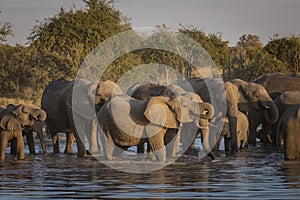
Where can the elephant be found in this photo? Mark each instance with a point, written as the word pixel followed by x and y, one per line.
pixel 275 84
pixel 244 97
pixel 126 121
pixel 211 90
pixel 27 131
pixel 75 115
pixel 283 101
pixel 11 125
pixel 288 131
pixel 143 91
pixel 242 131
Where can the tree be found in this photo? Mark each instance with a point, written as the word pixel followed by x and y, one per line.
pixel 68 37
pixel 215 46
pixel 286 49
pixel 5 30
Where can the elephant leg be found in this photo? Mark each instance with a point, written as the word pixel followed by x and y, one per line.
pixel 3 144
pixel 217 141
pixel 55 142
pixel 233 133
pixel 78 131
pixel 141 148
pixel 157 144
pixel 255 119
pixel 30 140
pixel 39 132
pixel 227 143
pixel 20 145
pixel 13 147
pixel 69 143
pixel 188 134
pixel 172 142
pixel 91 132
pixel 107 145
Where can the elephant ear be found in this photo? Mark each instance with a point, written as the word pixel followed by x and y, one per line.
pixel 9 123
pixel 158 112
pixel 80 103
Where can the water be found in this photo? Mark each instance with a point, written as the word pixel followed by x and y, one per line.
pixel 258 173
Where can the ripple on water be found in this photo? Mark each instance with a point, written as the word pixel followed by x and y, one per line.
pixel 251 174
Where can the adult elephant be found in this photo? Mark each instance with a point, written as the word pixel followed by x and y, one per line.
pixel 12 123
pixel 284 101
pixel 288 130
pixel 275 84
pixel 211 90
pixel 75 114
pixel 242 96
pixel 27 131
pixel 188 134
pixel 126 121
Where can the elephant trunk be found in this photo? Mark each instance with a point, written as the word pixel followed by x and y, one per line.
pixel 40 115
pixel 206 111
pixel 271 112
pixel 206 143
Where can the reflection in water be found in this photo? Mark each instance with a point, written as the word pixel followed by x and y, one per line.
pixel 256 173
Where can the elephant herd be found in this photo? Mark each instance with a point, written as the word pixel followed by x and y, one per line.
pixel 161 116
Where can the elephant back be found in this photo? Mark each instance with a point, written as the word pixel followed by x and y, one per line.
pixel 54 105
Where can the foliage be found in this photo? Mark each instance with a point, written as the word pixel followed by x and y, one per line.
pixel 58 45
pixel 248 60
pixel 287 50
pixel 5 30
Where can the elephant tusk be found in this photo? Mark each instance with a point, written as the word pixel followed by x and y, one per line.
pixel 212 125
pixel 202 127
pixel 205 112
pixel 267 107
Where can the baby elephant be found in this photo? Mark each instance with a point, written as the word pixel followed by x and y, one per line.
pixel 12 122
pixel 242 131
pixel 288 131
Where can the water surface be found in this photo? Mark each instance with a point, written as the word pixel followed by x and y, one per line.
pixel 259 173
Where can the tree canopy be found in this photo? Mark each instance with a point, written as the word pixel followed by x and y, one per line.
pixel 58 45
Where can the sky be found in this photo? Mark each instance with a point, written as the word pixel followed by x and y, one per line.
pixel 231 18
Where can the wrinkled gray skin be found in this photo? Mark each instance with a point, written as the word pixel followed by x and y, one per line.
pixel 275 84
pixel 288 131
pixel 284 101
pixel 57 102
pixel 124 117
pixel 242 131
pixel 211 90
pixel 243 96
pixel 188 131
pixel 12 123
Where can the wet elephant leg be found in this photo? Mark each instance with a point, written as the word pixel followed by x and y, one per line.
pixel 157 144
pixel 13 147
pixel 20 145
pixel 91 133
pixel 172 142
pixel 55 142
pixel 141 148
pixel 70 138
pixel 30 140
pixel 3 144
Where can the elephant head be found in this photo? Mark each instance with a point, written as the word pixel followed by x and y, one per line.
pixel 255 97
pixel 103 91
pixel 20 116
